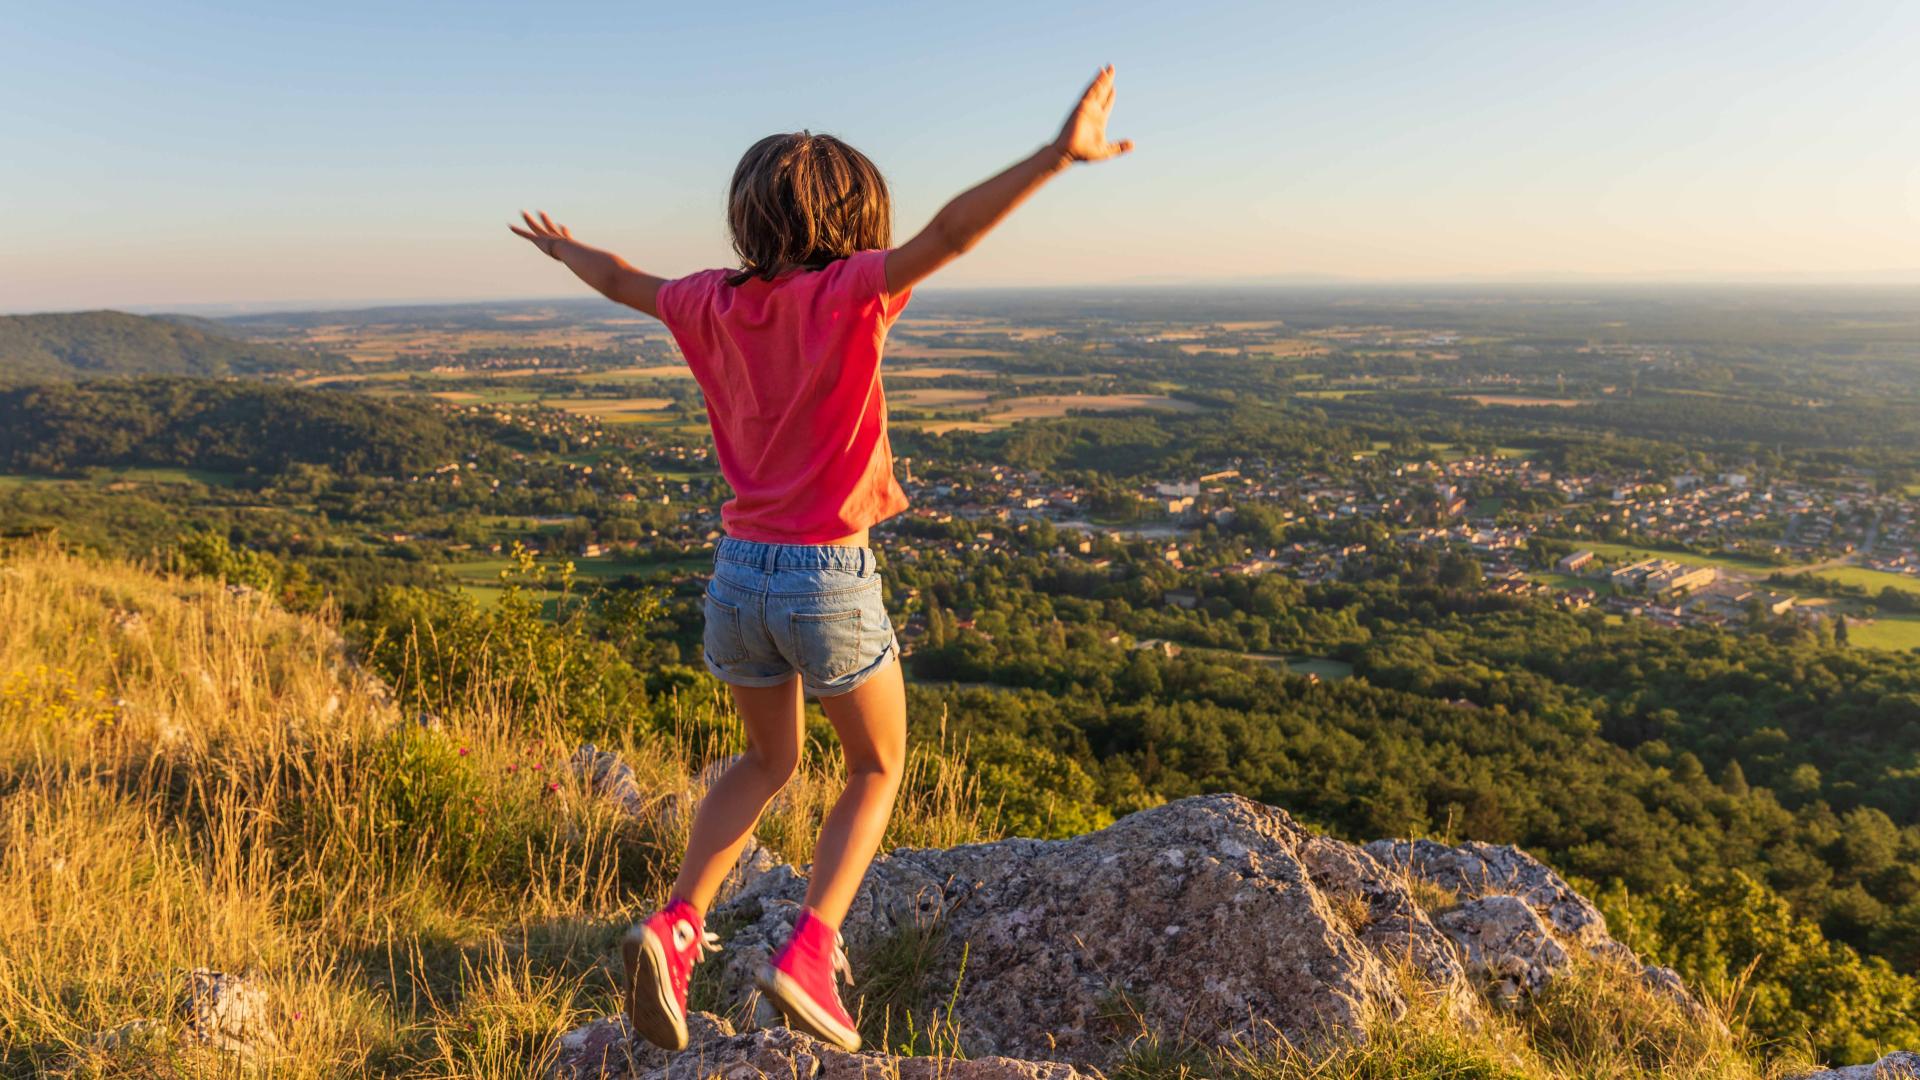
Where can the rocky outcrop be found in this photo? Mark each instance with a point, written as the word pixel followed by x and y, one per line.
pixel 602 1050
pixel 1519 919
pixel 1213 919
pixel 1472 871
pixel 1903 1065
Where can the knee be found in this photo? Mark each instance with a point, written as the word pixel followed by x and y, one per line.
pixel 887 765
pixel 773 767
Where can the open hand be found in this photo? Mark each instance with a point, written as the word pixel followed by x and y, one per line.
pixel 1084 136
pixel 544 234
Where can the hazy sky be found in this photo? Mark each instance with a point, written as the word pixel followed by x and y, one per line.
pixel 158 152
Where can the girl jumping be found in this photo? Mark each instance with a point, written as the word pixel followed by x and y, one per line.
pixel 786 349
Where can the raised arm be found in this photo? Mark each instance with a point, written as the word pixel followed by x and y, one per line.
pixel 973 213
pixel 609 274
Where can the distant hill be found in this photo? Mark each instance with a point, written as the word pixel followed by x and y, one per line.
pixel 91 344
pixel 60 427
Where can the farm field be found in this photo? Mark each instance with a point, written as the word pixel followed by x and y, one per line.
pixel 942 399
pixel 168 475
pixel 1893 633
pixel 1871 580
pixel 1563 582
pixel 1326 669
pixel 646 371
pixel 936 372
pixel 1520 401
pixel 1050 405
pixel 131 474
pixel 1035 407
pixel 1292 349
pixel 1735 563
pixel 613 410
pixel 907 350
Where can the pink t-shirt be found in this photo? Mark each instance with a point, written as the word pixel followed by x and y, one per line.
pixel 791 372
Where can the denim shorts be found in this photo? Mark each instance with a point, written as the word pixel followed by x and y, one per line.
pixel 776 609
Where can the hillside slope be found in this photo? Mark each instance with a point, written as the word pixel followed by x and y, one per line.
pixel 220 836
pixel 228 425
pixel 90 344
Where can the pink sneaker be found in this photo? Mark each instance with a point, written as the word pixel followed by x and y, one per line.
pixel 660 954
pixel 800 982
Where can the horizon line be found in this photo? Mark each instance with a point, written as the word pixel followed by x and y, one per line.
pixel 1867 280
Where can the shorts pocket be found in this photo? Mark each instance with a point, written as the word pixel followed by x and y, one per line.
pixel 827 643
pixel 722 638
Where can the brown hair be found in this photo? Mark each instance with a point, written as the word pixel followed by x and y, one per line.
pixel 804 200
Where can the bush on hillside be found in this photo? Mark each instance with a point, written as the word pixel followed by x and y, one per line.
pixel 1733 938
pixel 444 651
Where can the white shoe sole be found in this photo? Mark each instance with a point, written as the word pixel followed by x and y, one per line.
pixel 651 1008
pixel 801 1012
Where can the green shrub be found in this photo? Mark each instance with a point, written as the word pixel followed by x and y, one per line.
pixel 1035 791
pixel 1733 938
pixel 524 656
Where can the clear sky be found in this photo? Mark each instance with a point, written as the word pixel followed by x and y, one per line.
pixel 175 153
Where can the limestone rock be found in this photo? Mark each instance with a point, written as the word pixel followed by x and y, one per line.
pixel 602 1050
pixel 1476 870
pixel 1213 919
pixel 1506 944
pixel 606 1050
pixel 1901 1065
pixel 225 1011
pixel 755 861
pixel 1517 953
pixel 603 773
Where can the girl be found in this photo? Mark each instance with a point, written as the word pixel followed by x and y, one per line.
pixel 786 349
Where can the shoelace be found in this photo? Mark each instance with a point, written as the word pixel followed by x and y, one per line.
pixel 708 942
pixel 841 965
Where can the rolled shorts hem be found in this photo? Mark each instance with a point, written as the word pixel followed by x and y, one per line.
pixel 834 689
pixel 732 679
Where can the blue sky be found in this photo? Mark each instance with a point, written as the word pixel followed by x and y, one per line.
pixel 161 154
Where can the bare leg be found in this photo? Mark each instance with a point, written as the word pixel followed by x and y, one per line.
pixel 871 720
pixel 772 716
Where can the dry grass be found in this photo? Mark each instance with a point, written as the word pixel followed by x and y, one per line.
pixel 191 778
pixel 1598 1023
